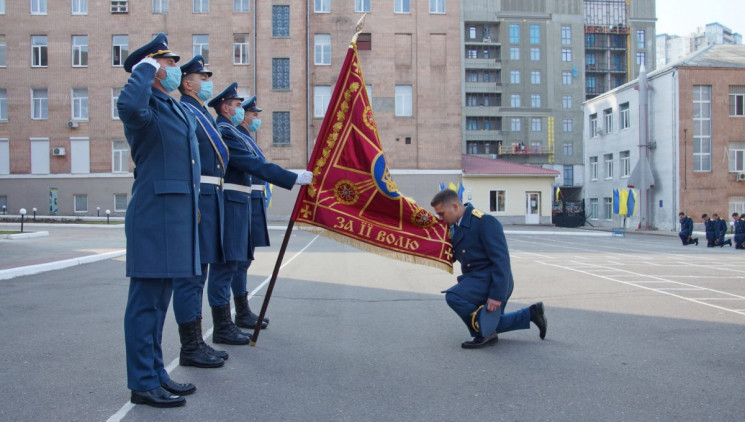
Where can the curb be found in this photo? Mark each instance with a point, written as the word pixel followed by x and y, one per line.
pixel 57 265
pixel 29 235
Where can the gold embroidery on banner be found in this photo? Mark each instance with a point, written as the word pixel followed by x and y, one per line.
pixel 346 192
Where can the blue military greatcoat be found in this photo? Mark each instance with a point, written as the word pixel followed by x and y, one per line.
pixel 740 233
pixel 161 220
pixel 259 231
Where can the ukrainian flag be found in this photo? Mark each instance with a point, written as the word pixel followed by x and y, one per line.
pixel 623 199
pixel 631 203
pixel 615 201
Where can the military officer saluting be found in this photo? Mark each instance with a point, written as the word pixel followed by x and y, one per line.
pixel 161 220
pixel 196 88
pixel 242 164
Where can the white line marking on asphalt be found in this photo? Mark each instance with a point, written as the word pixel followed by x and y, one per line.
pixel 121 413
pixel 57 265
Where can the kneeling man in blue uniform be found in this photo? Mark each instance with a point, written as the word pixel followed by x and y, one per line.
pixel 482 292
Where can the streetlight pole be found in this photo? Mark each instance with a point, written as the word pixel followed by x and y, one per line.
pixel 108 212
pixel 23 215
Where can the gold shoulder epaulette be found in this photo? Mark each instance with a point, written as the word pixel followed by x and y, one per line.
pixel 477 213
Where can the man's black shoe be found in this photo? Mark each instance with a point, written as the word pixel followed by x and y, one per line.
pixel 179 389
pixel 538 318
pixel 157 397
pixel 696 240
pixel 479 341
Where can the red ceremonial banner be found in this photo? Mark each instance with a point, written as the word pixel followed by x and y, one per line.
pixel 352 195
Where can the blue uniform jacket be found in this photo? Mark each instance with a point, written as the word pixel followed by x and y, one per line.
pixel 686 226
pixel 211 202
pixel 481 248
pixel 720 228
pixel 242 164
pixel 740 226
pixel 259 231
pixel 161 220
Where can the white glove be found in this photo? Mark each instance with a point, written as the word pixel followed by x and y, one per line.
pixel 304 178
pixel 149 60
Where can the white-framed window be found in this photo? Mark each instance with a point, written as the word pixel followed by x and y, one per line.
pixel 640 39
pixel 436 6
pixel 515 100
pixel 80 202
pixel 160 6
pixel 119 6
pixel 38 7
pixel 566 54
pixel 201 6
pixel 120 202
pixel 593 211
pixel 566 78
pixel 39 104
pixel 114 98
pixel 497 201
pixel 593 168
pixel 79 7
pixel 514 53
pixel 567 125
pixel 241 6
pixel 514 33
pixel 3 51
pixel 402 6
pixel 119 156
pixel 79 51
pixel 608 118
pixel 568 174
pixel 472 33
pixel 80 156
pixel 240 49
pixel 701 128
pixel 625 159
pixel 39 50
pixel 737 100
pixel 322 6
pixel 535 100
pixel 201 45
pixel 607 208
pixel 536 124
pixel 594 125
pixel 535 54
pixel 736 154
pixel 3 105
pixel 535 34
pixel 40 155
pixel 566 101
pixel 514 76
pixel 4 156
pixel 2 7
pixel 608 159
pixel 80 103
pixel 625 116
pixel 322 49
pixel 404 101
pixel 566 35
pixel 362 6
pixel 119 49
pixel 640 57
pixel 515 124
pixel 321 98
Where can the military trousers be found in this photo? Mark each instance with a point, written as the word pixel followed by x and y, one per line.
pixel 187 296
pixel 219 282
pixel 239 284
pixel 516 320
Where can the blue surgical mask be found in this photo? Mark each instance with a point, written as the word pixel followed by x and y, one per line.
pixel 255 125
pixel 237 118
pixel 172 79
pixel 205 90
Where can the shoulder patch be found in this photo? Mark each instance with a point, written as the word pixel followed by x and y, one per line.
pixel 476 213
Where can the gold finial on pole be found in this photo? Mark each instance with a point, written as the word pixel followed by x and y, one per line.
pixel 358 28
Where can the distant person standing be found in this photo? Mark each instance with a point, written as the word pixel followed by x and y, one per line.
pixel 686 230
pixel 709 227
pixel 720 230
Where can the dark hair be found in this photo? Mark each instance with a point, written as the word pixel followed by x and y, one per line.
pixel 445 196
pixel 705 215
pixel 681 213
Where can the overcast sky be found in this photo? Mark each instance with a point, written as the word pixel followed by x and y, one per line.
pixel 681 17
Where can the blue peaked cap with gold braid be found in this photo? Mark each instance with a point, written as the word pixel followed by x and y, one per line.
pixel 157 48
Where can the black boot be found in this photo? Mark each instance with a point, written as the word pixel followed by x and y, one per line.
pixel 243 316
pixel 225 331
pixel 538 318
pixel 206 347
pixel 191 353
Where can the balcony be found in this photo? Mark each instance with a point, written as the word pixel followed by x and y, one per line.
pixel 517 150
pixel 483 64
pixel 484 135
pixel 477 111
pixel 484 87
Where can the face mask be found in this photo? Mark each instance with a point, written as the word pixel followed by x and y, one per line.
pixel 237 118
pixel 205 90
pixel 255 125
pixel 172 79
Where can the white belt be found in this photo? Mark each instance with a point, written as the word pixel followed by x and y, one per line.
pixel 257 188
pixel 239 188
pixel 212 180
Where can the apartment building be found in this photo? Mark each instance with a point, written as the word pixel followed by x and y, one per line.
pixel 671 48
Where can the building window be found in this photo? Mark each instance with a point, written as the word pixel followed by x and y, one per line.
pixel 535 34
pixel 403 101
pixel 514 53
pixel 591 84
pixel 38 7
pixel 160 6
pixel 281 73
pixel 80 202
pixel 737 100
pixel 535 100
pixel 568 175
pixel 701 128
pixel 201 6
pixel 79 7
pixel 566 101
pixel 625 158
pixel 514 33
pixel 114 98
pixel 566 35
pixel 119 157
pixel 280 21
pixel 625 117
pixel 4 165
pixel 737 157
pixel 80 103
pixel 536 124
pixel 593 168
pixel 362 6
pixel 608 208
pixel 364 41
pixel 201 45
pixel 119 6
pixel 120 202
pixel 590 60
pixel 2 7
pixel 568 149
pixel 566 54
pixel 515 124
pixel 39 155
pixel 566 78
pixel 496 201
pixel 281 128
pixel 241 6
pixel 80 155
pixel 119 49
pixel 608 118
pixel 535 54
pixel 514 76
pixel 515 100
pixel 640 58
pixel 436 6
pixel 3 51
pixel 322 49
pixel 608 158
pixel 39 49
pixel 640 35
pixel 321 98
pixel 39 104
pixel 240 49
pixel 401 6
pixel 322 6
pixel 567 125
pixel 594 125
pixel 3 105
pixel 79 51
pixel 593 214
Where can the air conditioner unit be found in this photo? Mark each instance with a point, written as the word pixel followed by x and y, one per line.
pixel 741 177
pixel 72 124
pixel 58 151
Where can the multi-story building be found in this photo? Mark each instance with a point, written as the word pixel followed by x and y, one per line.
pixel 673 47
pixel 696 143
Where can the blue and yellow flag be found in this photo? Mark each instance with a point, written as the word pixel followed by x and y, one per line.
pixel 631 203
pixel 623 198
pixel 615 201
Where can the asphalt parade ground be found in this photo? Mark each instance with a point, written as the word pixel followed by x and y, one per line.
pixel 639 328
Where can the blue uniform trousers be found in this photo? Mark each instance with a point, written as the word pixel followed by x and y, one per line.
pixel 684 237
pixel 517 320
pixel 144 317
pixel 239 283
pixel 740 241
pixel 187 296
pixel 220 280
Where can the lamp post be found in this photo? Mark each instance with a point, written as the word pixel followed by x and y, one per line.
pixel 5 210
pixel 98 211
pixel 34 210
pixel 23 215
pixel 108 212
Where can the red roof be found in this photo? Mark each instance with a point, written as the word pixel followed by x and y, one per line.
pixel 479 165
